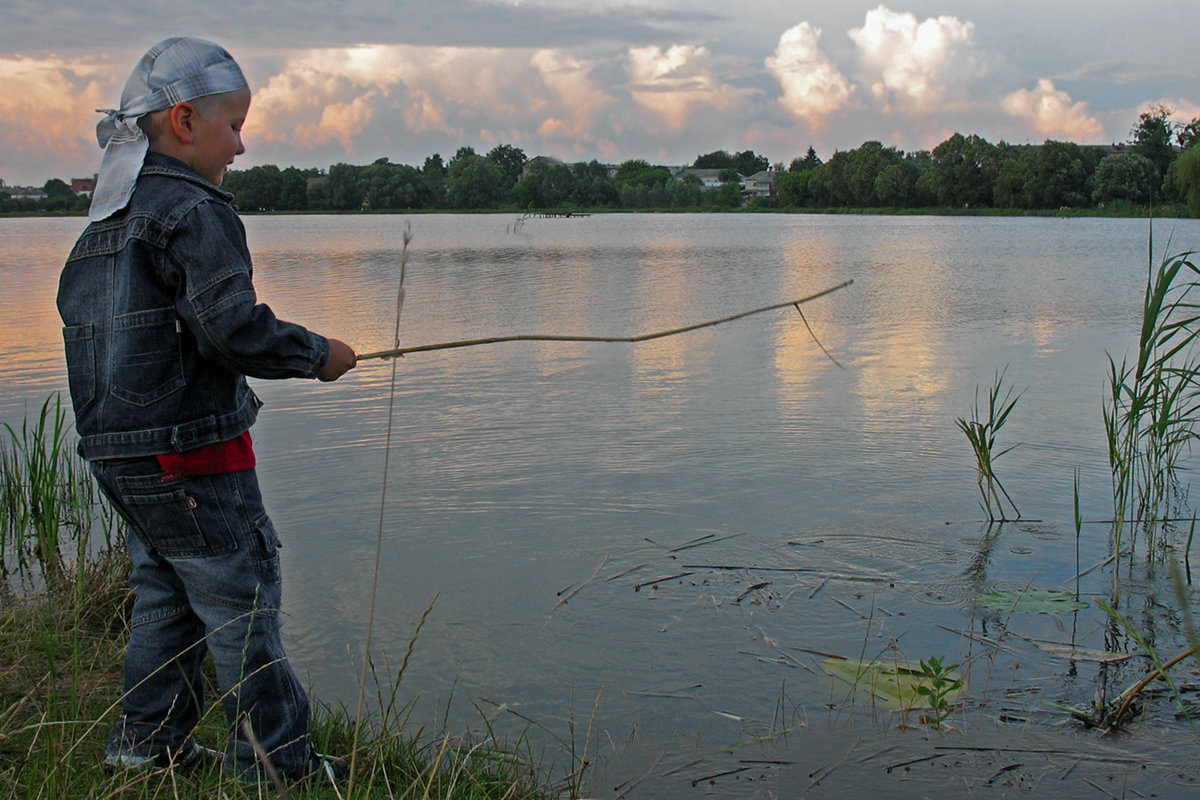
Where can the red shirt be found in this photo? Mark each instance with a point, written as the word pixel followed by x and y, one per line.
pixel 214 459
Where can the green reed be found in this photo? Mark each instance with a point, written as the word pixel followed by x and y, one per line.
pixel 1151 413
pixel 48 501
pixel 981 431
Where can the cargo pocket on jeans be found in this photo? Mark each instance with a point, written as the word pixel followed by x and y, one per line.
pixel 181 517
pixel 268 545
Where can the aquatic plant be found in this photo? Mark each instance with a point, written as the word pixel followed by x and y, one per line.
pixel 981 431
pixel 48 500
pixel 1151 413
pixel 940 686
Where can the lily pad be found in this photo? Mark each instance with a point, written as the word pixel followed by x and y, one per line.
pixel 1032 601
pixel 895 684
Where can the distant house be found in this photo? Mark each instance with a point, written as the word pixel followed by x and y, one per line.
pixel 759 185
pixel 545 161
pixel 709 178
pixel 83 185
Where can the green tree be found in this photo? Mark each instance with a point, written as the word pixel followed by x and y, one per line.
pixel 810 161
pixel 473 182
pixel 718 159
pixel 434 172
pixel 1188 135
pixel 1153 136
pixel 963 172
pixel 510 160
pixel 1131 178
pixel 638 172
pixel 59 196
pixel 748 163
pixel 1186 178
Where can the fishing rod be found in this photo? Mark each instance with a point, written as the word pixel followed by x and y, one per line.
pixel 396 352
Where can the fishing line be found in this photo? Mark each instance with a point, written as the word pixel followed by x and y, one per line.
pixel 387 450
pixel 645 337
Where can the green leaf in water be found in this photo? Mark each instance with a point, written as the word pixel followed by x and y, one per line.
pixel 1032 601
pixel 895 684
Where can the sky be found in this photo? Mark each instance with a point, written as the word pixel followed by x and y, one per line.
pixel 662 80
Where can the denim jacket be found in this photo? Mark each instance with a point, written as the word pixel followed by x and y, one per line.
pixel 162 324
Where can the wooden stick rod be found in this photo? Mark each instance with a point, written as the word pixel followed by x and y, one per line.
pixel 549 337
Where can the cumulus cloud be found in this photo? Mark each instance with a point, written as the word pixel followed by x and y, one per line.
pixel 813 88
pixel 1052 114
pixel 914 66
pixel 48 107
pixel 578 97
pixel 674 83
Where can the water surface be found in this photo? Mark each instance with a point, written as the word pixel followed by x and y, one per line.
pixel 650 540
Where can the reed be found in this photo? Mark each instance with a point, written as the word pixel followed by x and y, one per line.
pixel 1151 411
pixel 981 431
pixel 49 508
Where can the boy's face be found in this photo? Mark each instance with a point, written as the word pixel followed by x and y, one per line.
pixel 218 135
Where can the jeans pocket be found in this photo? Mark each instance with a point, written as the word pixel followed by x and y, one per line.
pixel 268 550
pixel 181 516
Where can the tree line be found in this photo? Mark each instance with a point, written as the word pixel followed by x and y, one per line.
pixel 1160 164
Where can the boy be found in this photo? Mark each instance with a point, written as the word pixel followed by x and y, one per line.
pixel 161 326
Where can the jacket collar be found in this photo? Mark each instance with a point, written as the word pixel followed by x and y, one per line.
pixel 171 167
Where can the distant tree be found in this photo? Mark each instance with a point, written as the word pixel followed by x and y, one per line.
pixel 473 182
pixel 638 172
pixel 1185 177
pixel 1131 178
pixel 510 160
pixel 810 161
pixel 435 179
pixel 1016 165
pixel 963 172
pixel 1188 136
pixel 1153 137
pixel 718 159
pixel 59 196
pixel 748 163
pixel 293 194
pixel 727 195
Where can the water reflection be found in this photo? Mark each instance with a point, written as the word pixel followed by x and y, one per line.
pixel 520 470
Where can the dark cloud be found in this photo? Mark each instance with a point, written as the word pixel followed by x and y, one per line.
pixel 38 27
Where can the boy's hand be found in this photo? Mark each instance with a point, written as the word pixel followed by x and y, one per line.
pixel 341 360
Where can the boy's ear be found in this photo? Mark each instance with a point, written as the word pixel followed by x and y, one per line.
pixel 181 120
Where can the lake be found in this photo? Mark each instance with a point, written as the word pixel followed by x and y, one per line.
pixel 646 550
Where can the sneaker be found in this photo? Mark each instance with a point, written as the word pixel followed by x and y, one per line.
pixel 191 755
pixel 327 769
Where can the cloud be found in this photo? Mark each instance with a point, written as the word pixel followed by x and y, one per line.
pixel 48 110
pixel 813 88
pixel 914 66
pixel 579 99
pixel 676 82
pixel 1052 114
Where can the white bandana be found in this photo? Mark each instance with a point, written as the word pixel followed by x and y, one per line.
pixel 174 71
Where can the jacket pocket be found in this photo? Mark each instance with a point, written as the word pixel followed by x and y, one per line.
pixel 147 363
pixel 80 345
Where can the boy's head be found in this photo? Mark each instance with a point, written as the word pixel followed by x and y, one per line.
pixel 177 93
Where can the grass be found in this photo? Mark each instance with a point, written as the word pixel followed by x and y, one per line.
pixel 1151 414
pixel 981 431
pixel 63 627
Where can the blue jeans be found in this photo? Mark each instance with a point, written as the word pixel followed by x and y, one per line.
pixel 206 576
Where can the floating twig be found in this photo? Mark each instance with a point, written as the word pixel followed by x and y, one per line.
pixel 645 337
pixel 753 588
pixel 657 581
pixel 563 599
pixel 703 541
